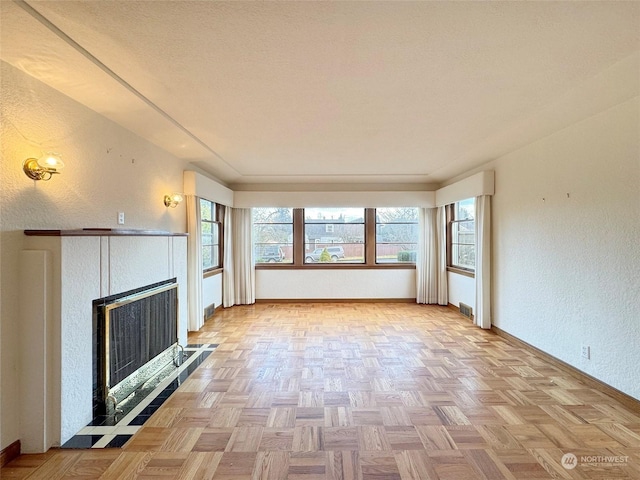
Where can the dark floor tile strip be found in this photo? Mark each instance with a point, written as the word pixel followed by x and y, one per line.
pixel 88 441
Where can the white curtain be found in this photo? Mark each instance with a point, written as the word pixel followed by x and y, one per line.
pixel 441 242
pixel 431 264
pixel 238 276
pixel 194 265
pixel 483 261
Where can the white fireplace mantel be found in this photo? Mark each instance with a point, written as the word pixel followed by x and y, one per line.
pixel 61 273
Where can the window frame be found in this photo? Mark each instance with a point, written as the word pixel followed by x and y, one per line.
pixel 376 243
pixel 369 249
pixel 217 212
pixel 332 223
pixel 451 220
pixel 293 232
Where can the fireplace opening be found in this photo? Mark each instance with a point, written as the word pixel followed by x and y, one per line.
pixel 135 335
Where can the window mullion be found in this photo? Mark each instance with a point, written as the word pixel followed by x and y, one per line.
pixel 298 236
pixel 370 236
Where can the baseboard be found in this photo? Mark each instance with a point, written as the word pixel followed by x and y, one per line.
pixel 10 453
pixel 625 399
pixel 453 307
pixel 336 300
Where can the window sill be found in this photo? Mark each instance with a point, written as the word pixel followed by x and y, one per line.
pixel 338 266
pixel 462 271
pixel 211 272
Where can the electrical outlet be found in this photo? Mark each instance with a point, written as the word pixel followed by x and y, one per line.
pixel 586 352
pixel 120 218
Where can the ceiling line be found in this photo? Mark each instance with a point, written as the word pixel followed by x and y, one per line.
pixel 71 42
pixel 359 175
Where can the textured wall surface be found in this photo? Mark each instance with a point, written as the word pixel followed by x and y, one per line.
pixel 566 226
pixel 151 264
pixel 79 279
pixel 108 170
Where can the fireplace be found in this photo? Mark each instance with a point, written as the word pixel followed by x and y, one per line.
pixel 135 334
pixel 62 273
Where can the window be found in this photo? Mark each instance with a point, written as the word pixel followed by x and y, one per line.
pixel 462 236
pixel 273 235
pixel 396 235
pixel 334 235
pixel 211 256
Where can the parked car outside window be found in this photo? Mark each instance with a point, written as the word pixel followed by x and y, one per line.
pixel 334 254
pixel 269 254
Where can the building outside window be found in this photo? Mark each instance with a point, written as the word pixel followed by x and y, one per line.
pixel 326 237
pixel 334 235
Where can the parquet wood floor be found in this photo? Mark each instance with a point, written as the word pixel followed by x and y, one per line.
pixel 364 391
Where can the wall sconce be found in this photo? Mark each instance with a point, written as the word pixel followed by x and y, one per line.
pixel 43 168
pixel 173 200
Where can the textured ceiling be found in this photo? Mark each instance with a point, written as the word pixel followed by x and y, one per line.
pixel 332 92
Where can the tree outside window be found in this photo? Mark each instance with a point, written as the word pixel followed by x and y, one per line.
pixel 210 235
pixel 396 235
pixel 273 235
pixel 463 235
pixel 334 235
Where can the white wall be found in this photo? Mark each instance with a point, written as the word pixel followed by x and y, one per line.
pixel 108 169
pixel 461 289
pixel 212 291
pixel 339 284
pixel 566 230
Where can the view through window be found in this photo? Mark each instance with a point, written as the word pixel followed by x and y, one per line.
pixel 210 235
pixel 396 235
pixel 334 235
pixel 462 243
pixel 273 235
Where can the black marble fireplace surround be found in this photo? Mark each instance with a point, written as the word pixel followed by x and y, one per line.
pixel 129 330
